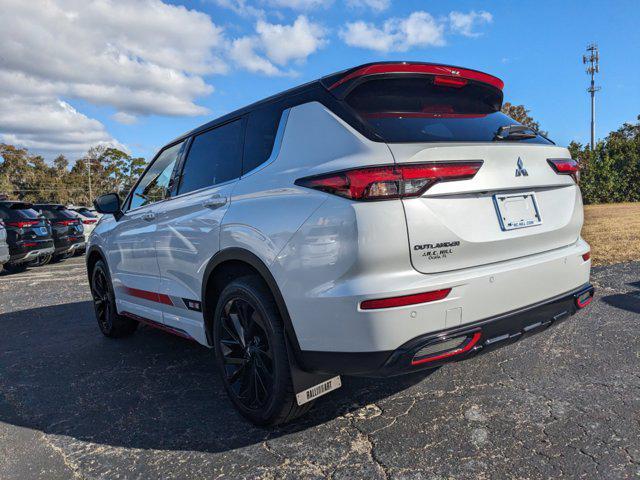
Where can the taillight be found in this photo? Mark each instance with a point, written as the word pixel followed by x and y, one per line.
pixel 454 82
pixel 23 224
pixel 390 181
pixel 66 222
pixel 405 300
pixel 565 166
pixel 89 222
pixel 586 256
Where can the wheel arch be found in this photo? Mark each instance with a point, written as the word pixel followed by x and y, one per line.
pixel 233 263
pixel 92 256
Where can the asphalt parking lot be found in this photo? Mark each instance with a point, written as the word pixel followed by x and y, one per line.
pixel 565 403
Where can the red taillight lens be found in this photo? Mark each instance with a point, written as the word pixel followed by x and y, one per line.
pixel 454 82
pixel 565 166
pixel 67 222
pixel 89 222
pixel 405 300
pixel 586 256
pixel 390 181
pixel 23 224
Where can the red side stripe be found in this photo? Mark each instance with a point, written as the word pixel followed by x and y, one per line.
pixel 151 296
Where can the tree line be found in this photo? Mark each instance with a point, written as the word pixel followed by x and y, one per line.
pixel 611 173
pixel 25 176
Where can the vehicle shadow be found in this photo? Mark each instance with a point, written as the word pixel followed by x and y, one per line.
pixel 624 301
pixel 59 375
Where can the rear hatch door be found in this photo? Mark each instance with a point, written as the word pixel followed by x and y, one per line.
pixel 473 222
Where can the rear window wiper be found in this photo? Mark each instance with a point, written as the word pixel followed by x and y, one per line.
pixel 514 132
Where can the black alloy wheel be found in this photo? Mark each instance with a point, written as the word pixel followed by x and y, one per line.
pixel 246 354
pixel 104 303
pixel 251 353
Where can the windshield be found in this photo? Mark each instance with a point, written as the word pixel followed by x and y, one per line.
pixel 403 110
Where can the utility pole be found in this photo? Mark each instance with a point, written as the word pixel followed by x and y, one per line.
pixel 89 168
pixel 591 60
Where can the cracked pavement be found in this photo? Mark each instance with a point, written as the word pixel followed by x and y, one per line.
pixel 563 403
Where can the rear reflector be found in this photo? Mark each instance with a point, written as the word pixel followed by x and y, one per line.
pixel 586 256
pixel 30 244
pixel 390 181
pixel 565 166
pixel 405 300
pixel 446 349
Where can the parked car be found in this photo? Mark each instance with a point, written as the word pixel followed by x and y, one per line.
pixel 28 234
pixel 67 229
pixel 89 221
pixel 4 247
pixel 379 221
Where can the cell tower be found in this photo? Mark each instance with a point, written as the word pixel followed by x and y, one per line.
pixel 592 60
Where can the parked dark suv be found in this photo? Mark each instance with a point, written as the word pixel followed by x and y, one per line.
pixel 28 234
pixel 68 232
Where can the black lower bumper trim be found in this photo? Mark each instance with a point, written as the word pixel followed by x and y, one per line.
pixel 496 331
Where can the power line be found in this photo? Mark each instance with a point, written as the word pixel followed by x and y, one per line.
pixel 592 60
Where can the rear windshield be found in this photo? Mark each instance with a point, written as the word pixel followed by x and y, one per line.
pixel 403 110
pixel 57 213
pixel 86 212
pixel 14 212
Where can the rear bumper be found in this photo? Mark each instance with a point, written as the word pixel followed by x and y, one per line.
pixel 4 254
pixel 68 245
pixel 491 333
pixel 21 253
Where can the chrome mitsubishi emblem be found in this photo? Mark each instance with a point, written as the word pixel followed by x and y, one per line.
pixel 520 170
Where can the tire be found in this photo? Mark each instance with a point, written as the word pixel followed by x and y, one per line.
pixel 111 324
pixel 57 258
pixel 15 267
pixel 251 354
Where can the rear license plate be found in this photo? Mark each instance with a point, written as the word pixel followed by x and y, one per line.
pixel 518 210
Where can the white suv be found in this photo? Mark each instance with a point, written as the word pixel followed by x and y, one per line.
pixel 378 221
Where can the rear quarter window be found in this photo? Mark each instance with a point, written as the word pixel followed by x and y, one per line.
pixel 260 136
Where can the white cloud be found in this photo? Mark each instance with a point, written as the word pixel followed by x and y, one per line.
pixel 49 126
pixel 419 29
pixel 274 45
pixel 241 7
pixel 243 52
pixel 465 23
pixel 284 43
pixel 125 118
pixel 375 5
pixel 300 4
pixel 140 56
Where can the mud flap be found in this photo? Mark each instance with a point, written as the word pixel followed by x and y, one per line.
pixel 309 386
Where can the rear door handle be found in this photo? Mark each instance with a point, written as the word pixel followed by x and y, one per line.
pixel 149 216
pixel 215 201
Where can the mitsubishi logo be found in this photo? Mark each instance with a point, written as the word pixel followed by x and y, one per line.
pixel 520 170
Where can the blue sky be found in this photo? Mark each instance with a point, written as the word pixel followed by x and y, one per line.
pixel 176 68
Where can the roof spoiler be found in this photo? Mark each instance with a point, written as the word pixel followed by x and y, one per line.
pixel 341 83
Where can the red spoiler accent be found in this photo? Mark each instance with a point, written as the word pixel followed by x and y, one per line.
pixel 442 70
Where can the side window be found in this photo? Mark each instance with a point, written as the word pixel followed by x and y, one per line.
pixel 262 126
pixel 154 186
pixel 214 157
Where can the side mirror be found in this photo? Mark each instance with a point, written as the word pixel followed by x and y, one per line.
pixel 108 203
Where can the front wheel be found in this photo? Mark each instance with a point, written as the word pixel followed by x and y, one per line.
pixel 104 303
pixel 251 353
